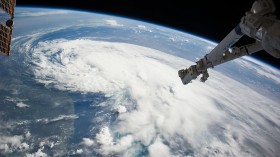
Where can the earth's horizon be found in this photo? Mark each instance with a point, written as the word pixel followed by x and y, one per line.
pixel 79 83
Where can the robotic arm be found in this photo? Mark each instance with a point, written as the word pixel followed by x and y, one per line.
pixel 260 24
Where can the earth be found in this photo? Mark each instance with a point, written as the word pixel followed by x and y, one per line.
pixel 87 84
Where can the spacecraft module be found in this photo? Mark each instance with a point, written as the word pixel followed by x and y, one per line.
pixel 260 23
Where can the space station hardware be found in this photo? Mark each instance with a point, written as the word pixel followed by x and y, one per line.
pixel 260 23
pixel 7 9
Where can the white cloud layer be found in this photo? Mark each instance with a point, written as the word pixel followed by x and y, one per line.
pixel 113 23
pixel 165 108
pixel 42 13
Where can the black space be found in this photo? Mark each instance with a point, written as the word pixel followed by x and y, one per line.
pixel 212 19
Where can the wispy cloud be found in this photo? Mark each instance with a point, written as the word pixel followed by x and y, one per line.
pixel 113 23
pixel 20 103
pixel 42 13
pixel 260 68
pixel 59 118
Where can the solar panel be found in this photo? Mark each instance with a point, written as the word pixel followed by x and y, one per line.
pixel 8 6
pixel 5 39
pixel 6 28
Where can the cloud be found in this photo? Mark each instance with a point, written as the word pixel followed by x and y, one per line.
pixel 19 102
pixel 260 68
pixel 141 29
pixel 27 134
pixel 145 28
pixel 64 117
pixel 120 109
pixel 24 146
pixel 113 23
pixel 108 146
pixel 158 149
pixel 87 142
pixel 59 118
pixel 42 13
pixel 104 137
pixel 79 151
pixel 10 143
pixel 38 153
pixel 11 99
pixel 13 143
pixel 12 140
pixel 22 105
pixel 4 148
pixel 48 143
pixel 45 143
pixel 211 116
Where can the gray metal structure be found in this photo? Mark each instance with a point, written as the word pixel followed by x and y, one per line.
pixel 260 23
